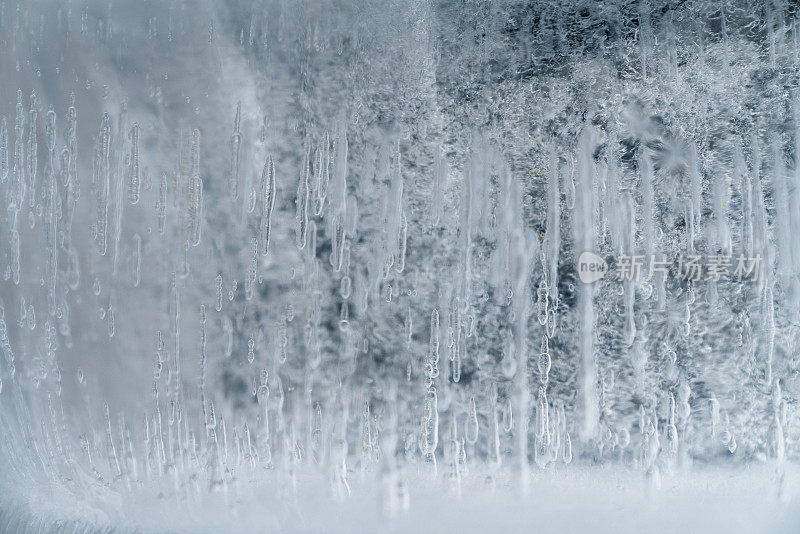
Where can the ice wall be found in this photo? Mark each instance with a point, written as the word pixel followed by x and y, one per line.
pixel 288 250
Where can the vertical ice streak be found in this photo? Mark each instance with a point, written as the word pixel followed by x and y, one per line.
pixel 218 288
pixel 51 218
pixel 695 184
pixel 303 192
pixel 323 164
pixel 133 171
pixel 3 151
pixel 441 173
pixel 627 244
pixel 402 244
pixel 721 195
pixel 235 161
pixel 761 243
pixel 72 141
pixel 782 222
pixel 203 363
pixel 745 186
pixel 338 184
pixel 101 181
pixel 137 260
pixel 584 241
pixel 268 194
pixel 17 187
pixel 645 36
pixel 553 233
pixel 118 182
pixel 32 153
pixel 523 251
pixel 648 207
pixel 195 210
pixel 161 204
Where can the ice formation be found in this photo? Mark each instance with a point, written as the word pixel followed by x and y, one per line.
pixel 305 265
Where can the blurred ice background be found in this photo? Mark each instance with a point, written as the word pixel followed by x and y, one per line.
pixel 310 265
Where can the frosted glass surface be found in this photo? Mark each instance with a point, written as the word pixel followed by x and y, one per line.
pixel 424 265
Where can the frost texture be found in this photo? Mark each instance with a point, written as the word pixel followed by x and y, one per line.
pixel 268 264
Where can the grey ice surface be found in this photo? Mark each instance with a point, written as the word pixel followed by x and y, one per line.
pixel 286 265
